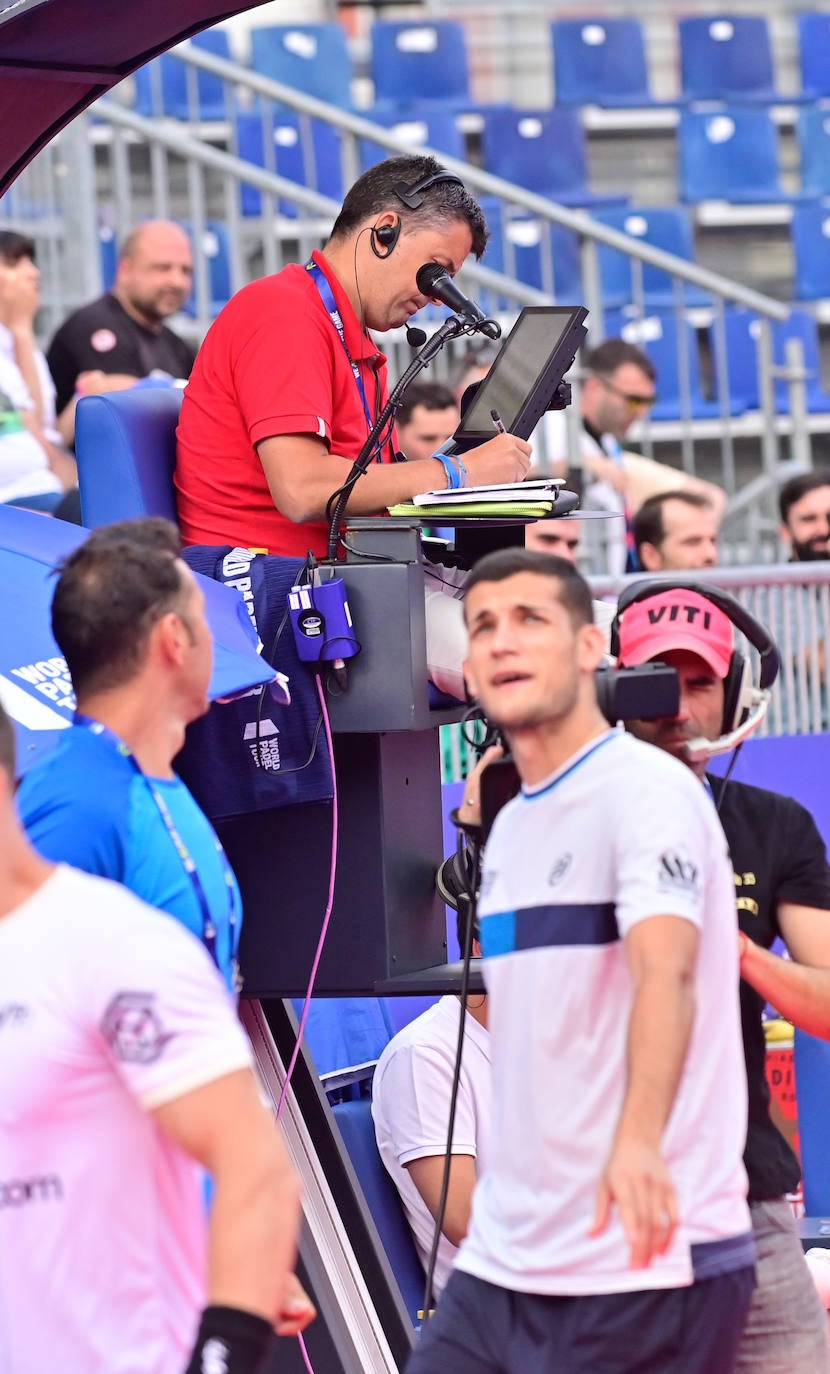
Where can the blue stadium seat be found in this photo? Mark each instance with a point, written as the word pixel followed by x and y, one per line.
pixel 300 148
pixel 162 87
pixel 215 248
pixel 125 444
pixel 726 57
pixel 354 1119
pixel 107 255
pixel 424 129
pixel 675 352
pixel 543 151
pixel 813 129
pixel 665 227
pixel 730 155
pixel 418 61
pixel 345 1032
pixel 741 337
pixel 313 58
pixel 811 242
pixel 600 61
pixel 814 53
pixel 812 1077
pixel 531 249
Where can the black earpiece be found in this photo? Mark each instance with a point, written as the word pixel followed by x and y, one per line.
pixel 384 238
pixel 737 685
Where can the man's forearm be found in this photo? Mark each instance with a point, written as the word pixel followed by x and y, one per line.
pixel 658 1038
pixel 25 356
pixel 799 993
pixel 254 1224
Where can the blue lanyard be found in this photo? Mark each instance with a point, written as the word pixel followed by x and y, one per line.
pixel 323 285
pixel 208 924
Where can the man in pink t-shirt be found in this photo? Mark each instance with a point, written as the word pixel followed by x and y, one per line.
pixel 124 1074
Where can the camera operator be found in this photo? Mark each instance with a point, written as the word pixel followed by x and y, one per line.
pixel 614 1184
pixel 782 883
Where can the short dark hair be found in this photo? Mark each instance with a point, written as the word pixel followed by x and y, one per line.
pixel 14 246
pixel 796 487
pixel 648 526
pixel 573 591
pixel 430 395
pixel 8 761
pixel 110 593
pixel 612 353
pixel 376 191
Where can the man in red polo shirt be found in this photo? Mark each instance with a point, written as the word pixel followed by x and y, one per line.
pixel 289 381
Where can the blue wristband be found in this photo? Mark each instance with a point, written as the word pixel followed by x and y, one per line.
pixel 451 468
pixel 463 479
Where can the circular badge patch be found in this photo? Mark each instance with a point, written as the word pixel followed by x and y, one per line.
pixel 103 341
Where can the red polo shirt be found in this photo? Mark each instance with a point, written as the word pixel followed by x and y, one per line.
pixel 272 363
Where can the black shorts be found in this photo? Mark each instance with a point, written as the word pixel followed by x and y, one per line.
pixel 482 1329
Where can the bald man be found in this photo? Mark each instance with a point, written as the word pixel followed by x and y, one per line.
pixel 111 343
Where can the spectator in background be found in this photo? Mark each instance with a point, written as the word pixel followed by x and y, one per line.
pixel 428 417
pixel 558 537
pixel 35 471
pixel 676 531
pixel 121 337
pixel 804 504
pixel 124 1074
pixel 621 387
pixel 472 367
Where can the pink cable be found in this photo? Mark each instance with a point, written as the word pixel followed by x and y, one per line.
pixel 327 917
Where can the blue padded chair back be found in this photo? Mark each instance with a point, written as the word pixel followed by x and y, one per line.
pixel 667 227
pixel 313 58
pixel 163 86
pixel 814 146
pixel 295 146
pixel 814 53
pixel 725 57
pixel 600 62
pixel 357 1128
pixel 419 60
pixel 672 346
pixel 730 154
pixel 812 1077
pixel 542 150
pixel 422 129
pixel 125 444
pixel 811 241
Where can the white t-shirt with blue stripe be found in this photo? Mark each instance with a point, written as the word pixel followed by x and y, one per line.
pixel 621 833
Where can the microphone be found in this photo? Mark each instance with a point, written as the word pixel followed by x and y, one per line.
pixel 702 748
pixel 415 336
pixel 434 281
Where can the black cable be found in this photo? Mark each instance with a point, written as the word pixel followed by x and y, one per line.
pixel 467 951
pixel 727 775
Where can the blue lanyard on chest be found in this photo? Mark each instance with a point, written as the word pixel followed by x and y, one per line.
pixel 208 924
pixel 323 285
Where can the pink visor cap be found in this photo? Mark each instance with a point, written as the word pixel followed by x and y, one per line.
pixel 676 619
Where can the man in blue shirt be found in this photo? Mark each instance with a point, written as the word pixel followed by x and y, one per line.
pixel 128 616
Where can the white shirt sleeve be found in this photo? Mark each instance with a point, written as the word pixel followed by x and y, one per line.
pixel 157 1001
pixel 664 847
pixel 412 1104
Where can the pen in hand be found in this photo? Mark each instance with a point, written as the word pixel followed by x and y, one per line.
pixel 498 421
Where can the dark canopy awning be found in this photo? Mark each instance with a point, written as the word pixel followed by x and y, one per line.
pixel 57 56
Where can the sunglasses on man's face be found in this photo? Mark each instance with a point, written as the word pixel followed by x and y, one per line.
pixel 633 402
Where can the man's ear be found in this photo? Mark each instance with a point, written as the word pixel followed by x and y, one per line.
pixel 784 532
pixel 649 556
pixel 591 648
pixel 170 635
pixel 469 679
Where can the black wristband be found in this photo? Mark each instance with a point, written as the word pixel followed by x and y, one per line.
pixel 242 1339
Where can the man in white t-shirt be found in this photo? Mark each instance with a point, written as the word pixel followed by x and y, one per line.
pixel 610 1229
pixel 33 463
pixel 410 1106
pixel 124 1074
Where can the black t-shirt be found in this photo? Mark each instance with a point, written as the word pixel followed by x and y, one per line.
pixel 777 856
pixel 103 336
